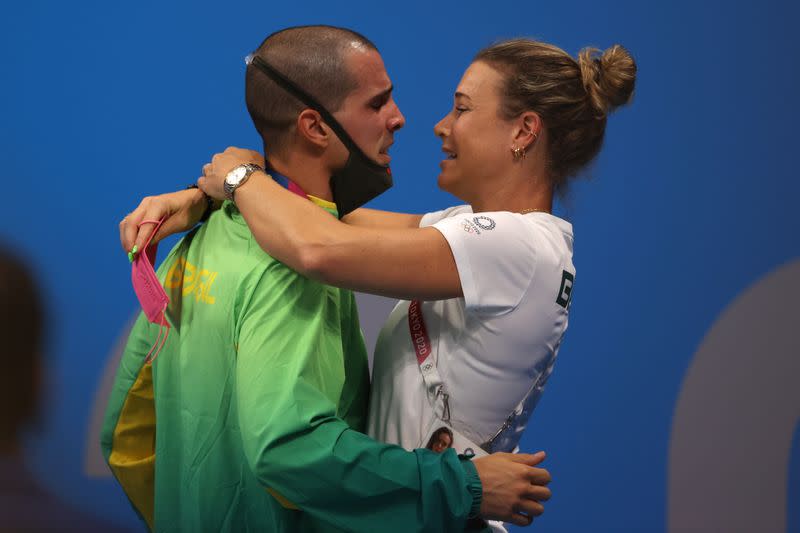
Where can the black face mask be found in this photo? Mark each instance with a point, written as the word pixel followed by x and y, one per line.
pixel 361 179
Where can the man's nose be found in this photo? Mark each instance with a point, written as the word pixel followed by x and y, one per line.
pixel 397 120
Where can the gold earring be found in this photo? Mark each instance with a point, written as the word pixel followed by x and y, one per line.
pixel 518 152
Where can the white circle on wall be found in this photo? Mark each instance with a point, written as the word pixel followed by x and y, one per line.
pixel 736 415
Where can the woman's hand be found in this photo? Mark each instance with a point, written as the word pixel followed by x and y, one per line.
pixel 181 211
pixel 214 173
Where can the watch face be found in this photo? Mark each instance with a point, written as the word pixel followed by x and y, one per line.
pixel 236 175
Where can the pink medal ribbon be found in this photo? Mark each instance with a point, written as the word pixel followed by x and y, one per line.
pixel 422 347
pixel 419 333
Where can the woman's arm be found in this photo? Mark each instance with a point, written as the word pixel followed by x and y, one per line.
pixel 401 263
pixel 373 218
pixel 183 209
pixel 360 217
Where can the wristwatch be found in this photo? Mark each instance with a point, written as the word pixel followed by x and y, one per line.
pixel 237 177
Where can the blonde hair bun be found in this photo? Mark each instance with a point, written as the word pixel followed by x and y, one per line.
pixel 608 78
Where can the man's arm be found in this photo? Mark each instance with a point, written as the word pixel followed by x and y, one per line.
pixel 289 376
pixel 181 211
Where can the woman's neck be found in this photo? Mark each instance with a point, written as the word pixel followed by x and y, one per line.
pixel 516 195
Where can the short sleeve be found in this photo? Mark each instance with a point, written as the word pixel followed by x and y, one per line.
pixel 495 254
pixel 429 219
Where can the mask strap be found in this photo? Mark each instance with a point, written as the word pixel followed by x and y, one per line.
pixel 157 224
pixel 292 88
pixel 163 326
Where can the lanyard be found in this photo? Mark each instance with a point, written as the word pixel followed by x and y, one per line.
pixel 507 437
pixel 427 365
pixel 287 183
pixel 291 186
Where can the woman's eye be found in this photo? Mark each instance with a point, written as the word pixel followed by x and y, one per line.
pixel 460 110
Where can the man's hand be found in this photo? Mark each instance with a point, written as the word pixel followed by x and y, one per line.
pixel 513 485
pixel 221 164
pixel 181 210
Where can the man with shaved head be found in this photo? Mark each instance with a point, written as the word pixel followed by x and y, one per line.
pixel 251 417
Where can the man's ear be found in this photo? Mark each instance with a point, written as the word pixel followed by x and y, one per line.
pixel 311 127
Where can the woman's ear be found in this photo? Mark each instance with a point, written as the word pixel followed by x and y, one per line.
pixel 528 128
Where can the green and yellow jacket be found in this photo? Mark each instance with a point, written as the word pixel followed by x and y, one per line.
pixel 250 418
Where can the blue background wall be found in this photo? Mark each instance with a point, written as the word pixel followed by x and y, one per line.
pixel 692 200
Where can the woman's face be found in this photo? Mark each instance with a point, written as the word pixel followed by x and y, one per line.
pixel 442 442
pixel 477 142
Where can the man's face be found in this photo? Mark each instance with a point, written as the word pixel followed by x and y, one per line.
pixel 369 114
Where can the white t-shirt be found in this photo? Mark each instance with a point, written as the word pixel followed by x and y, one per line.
pixel 490 346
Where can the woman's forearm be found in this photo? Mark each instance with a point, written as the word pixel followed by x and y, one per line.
pixel 285 225
pixel 403 263
pixel 374 218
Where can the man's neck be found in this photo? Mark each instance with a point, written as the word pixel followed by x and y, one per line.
pixel 307 173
